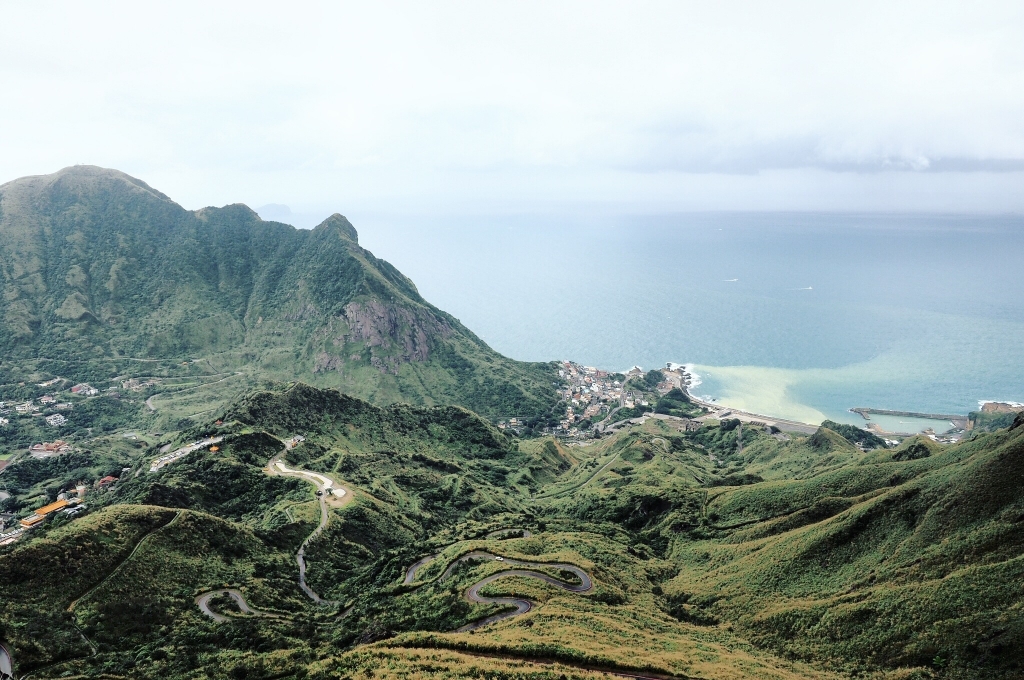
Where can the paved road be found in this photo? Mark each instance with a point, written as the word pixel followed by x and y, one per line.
pixel 149 402
pixel 562 492
pixel 325 484
pixel 719 411
pixel 328 489
pixel 203 602
pixel 601 425
pixel 521 605
pixel 169 458
pixel 6 662
pixel 504 533
pixel 410 573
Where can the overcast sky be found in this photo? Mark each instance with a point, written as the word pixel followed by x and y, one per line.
pixel 438 107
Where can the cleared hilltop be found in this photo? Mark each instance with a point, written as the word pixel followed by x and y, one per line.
pixel 97 268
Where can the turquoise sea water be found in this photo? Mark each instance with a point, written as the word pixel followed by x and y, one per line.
pixel 792 315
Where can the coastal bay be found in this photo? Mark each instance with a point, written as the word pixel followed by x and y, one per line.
pixel 794 315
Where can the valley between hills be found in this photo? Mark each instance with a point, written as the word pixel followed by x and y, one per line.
pixel 274 459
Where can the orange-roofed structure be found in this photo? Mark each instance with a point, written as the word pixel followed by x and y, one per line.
pixel 41 513
pixel 52 507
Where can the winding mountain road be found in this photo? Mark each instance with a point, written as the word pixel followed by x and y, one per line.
pixel 203 602
pixel 152 407
pixel 509 533
pixel 580 485
pixel 521 605
pixel 410 573
pixel 6 662
pixel 329 493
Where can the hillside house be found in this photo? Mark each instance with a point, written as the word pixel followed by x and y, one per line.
pixel 106 482
pixel 85 390
pixel 59 446
pixel 56 420
pixel 24 408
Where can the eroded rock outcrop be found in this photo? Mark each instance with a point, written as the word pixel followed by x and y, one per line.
pixel 394 334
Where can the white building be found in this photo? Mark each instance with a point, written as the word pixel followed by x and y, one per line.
pixel 56 420
pixel 85 390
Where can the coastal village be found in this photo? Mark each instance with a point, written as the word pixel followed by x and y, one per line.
pixel 52 405
pixel 592 395
pixel 51 411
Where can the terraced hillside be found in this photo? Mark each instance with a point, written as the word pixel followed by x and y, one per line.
pixel 653 552
pixel 101 276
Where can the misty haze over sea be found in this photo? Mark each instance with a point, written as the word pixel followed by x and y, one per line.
pixel 798 315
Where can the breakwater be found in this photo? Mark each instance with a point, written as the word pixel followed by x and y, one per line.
pixel 958 420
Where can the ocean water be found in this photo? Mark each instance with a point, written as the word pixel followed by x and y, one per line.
pixel 792 315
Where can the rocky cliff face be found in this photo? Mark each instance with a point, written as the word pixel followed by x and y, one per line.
pixel 393 335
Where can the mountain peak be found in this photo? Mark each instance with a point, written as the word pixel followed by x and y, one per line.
pixel 95 177
pixel 340 223
pixel 79 180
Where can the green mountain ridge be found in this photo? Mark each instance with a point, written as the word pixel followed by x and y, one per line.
pixel 288 366
pixel 787 558
pixel 97 267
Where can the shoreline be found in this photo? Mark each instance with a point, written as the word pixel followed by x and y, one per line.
pixel 692 379
pixel 959 422
pixel 719 412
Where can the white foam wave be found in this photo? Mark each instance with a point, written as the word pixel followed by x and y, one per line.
pixel 695 379
pixel 1012 404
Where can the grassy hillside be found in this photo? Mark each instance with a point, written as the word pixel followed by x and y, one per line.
pixel 726 552
pixel 103 276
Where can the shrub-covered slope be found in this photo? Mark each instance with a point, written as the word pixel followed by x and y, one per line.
pixel 914 562
pixel 725 552
pixel 96 265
